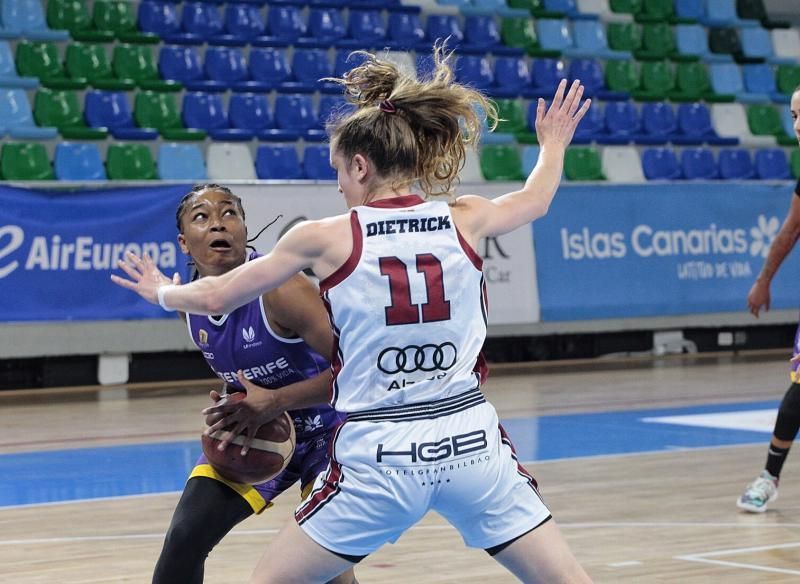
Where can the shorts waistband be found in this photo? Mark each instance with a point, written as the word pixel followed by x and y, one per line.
pixel 422 411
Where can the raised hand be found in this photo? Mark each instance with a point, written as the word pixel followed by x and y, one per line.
pixel 557 125
pixel 242 417
pixel 145 277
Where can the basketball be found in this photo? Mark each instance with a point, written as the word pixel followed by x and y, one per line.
pixel 269 453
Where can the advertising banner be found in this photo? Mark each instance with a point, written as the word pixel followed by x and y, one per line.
pixel 58 249
pixel 656 250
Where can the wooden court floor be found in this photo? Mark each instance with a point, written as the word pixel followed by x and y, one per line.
pixel 656 517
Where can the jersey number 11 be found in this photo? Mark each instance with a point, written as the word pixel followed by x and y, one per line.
pixel 402 310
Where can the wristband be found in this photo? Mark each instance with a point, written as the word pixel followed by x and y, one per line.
pixel 161 291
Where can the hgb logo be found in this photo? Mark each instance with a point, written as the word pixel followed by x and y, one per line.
pixel 427 358
pixel 457 445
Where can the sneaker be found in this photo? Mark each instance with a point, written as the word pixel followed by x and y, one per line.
pixel 761 491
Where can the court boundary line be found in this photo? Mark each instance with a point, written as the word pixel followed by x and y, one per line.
pixel 706 558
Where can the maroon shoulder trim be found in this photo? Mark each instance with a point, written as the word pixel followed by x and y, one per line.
pixel 473 256
pixel 348 266
pixel 397 202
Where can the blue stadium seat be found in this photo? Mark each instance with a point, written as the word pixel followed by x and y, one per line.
pixel 365 29
pixel 591 74
pixel 278 162
pixel 201 19
pixel 26 18
pixel 8 70
pixel 698 164
pixel 689 9
pixel 492 7
pixel 442 26
pixel 546 75
pixel 530 155
pixel 296 112
pixel 757 44
pixel 511 77
pixel 660 164
pixel 735 164
pixel 270 65
pixel 404 30
pixel 251 111
pixel 227 65
pixel 554 34
pixel 481 33
pixel 325 27
pixel 772 163
pixel 331 107
pixel 308 67
pixel 181 162
pixel 205 111
pixel 78 162
pixel 787 121
pixel 475 71
pixel 622 123
pixel 161 18
pixel 695 127
pixel 345 61
pixel 182 63
pixel 590 41
pixel 759 79
pixel 566 7
pixel 723 13
pixel 244 21
pixel 317 163
pixel 726 79
pixel 110 109
pixel 692 39
pixel 284 26
pixel 592 127
pixel 16 117
pixel 659 123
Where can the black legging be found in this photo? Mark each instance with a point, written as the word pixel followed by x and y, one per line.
pixel 207 511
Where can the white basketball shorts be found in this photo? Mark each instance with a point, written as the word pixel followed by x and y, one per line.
pixel 389 467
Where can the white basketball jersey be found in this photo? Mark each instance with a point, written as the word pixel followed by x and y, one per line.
pixel 408 308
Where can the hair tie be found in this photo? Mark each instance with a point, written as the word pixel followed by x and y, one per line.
pixel 387 107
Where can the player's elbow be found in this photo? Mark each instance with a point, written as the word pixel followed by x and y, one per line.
pixel 215 303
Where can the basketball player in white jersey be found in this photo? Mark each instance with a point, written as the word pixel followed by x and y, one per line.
pixel 406 297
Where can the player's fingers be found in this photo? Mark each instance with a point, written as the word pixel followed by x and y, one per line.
pixel 246 383
pixel 134 259
pixel 176 278
pixel 228 438
pixel 576 101
pixel 130 270
pixel 582 112
pixel 540 106
pixel 248 440
pixel 558 98
pixel 566 105
pixel 123 282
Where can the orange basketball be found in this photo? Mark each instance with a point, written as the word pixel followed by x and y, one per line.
pixel 269 453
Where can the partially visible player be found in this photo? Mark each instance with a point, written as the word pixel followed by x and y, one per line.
pixel 273 342
pixel 406 295
pixel 764 489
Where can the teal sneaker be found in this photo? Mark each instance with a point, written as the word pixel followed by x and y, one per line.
pixel 761 491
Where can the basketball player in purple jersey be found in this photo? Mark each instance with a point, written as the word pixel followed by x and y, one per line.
pixel 405 292
pixel 272 342
pixel 764 489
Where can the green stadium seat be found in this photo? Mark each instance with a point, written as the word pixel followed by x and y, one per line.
pixel 692 84
pixel 513 120
pixel 118 17
pixel 521 34
pixel 62 109
pixel 74 16
pixel 624 36
pixel 658 42
pixel 40 59
pixel 621 76
pixel 583 164
pixel 794 161
pixel 765 120
pixel 787 78
pixel 656 80
pixel 501 162
pixel 655 11
pixel 632 7
pixel 158 110
pixel 130 162
pixel 25 161
pixel 136 63
pixel 90 62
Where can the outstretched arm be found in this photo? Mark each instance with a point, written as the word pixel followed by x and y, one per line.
pixel 554 130
pixel 784 242
pixel 294 252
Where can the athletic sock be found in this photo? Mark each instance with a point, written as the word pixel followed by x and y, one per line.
pixel 775 459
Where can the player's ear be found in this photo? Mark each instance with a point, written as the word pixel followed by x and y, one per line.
pixel 360 166
pixel 182 243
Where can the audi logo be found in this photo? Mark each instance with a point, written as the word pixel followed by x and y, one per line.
pixel 427 358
